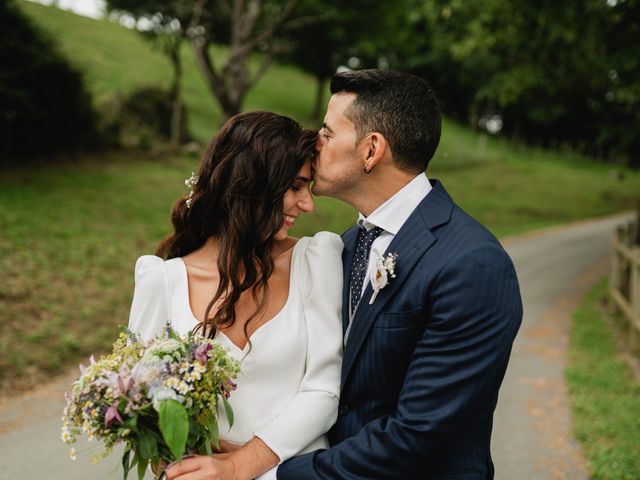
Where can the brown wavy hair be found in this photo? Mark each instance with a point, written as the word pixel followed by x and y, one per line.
pixel 243 176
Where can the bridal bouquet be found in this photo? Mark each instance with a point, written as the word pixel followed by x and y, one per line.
pixel 159 397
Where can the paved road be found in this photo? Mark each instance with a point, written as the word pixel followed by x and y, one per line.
pixel 532 437
pixel 532 425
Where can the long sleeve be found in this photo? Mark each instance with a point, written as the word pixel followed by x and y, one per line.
pixel 150 307
pixel 313 410
pixel 475 311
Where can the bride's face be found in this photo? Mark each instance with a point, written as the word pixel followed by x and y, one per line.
pixel 297 200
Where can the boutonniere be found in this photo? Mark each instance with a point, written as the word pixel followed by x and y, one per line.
pixel 382 275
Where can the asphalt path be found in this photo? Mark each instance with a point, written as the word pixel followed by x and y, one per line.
pixel 532 437
pixel 532 428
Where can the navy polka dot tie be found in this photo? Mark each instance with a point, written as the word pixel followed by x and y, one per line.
pixel 360 262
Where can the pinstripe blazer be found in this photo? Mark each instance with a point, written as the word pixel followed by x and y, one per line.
pixel 423 364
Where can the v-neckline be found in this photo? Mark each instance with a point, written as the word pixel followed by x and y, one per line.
pixel 275 317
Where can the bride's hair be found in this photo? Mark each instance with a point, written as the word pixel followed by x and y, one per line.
pixel 238 198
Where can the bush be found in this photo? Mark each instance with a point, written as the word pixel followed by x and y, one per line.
pixel 141 119
pixel 44 105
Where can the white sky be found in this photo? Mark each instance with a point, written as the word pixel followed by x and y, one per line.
pixel 88 8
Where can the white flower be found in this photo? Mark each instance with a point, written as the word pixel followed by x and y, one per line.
pixel 178 385
pixel 72 453
pixel 66 436
pixel 166 350
pixel 380 278
pixel 158 394
pixel 146 372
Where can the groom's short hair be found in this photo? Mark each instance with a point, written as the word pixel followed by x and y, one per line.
pixel 400 106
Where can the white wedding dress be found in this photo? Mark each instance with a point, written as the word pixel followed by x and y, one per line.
pixel 289 382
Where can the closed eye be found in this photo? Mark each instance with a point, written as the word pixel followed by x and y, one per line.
pixel 325 131
pixel 300 183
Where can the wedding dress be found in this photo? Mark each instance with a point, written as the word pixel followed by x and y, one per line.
pixel 288 387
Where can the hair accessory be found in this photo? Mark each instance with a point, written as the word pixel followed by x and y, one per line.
pixel 191 182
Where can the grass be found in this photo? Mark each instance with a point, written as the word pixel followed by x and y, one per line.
pixel 606 400
pixel 117 60
pixel 75 227
pixel 73 232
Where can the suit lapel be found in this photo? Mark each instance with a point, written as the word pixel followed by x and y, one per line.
pixel 349 239
pixel 412 241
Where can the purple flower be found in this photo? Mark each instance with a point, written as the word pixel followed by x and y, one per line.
pixel 124 387
pixel 120 383
pixel 227 387
pixel 111 415
pixel 202 352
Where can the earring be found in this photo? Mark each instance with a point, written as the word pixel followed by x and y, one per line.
pixel 367 171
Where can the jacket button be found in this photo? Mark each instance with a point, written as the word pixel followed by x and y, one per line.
pixel 343 409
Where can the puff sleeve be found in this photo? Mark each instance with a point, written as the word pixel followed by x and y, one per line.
pixel 150 309
pixel 314 409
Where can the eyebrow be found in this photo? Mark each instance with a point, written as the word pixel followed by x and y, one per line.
pixel 304 179
pixel 326 127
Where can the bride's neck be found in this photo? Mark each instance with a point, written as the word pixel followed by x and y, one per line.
pixel 211 249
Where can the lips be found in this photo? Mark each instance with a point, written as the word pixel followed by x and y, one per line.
pixel 289 220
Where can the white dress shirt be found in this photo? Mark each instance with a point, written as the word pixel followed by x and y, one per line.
pixel 390 216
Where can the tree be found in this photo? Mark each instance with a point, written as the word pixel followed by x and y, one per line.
pixel 162 28
pixel 341 31
pixel 557 73
pixel 246 26
pixel 44 103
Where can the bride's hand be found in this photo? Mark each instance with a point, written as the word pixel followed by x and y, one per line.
pixel 228 447
pixel 201 467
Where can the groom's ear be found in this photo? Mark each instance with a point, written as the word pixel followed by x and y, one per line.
pixel 375 148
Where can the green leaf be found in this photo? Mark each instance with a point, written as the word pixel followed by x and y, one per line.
pixel 125 461
pixel 136 461
pixel 207 444
pixel 142 468
pixel 148 447
pixel 132 423
pixel 228 410
pixel 173 334
pixel 215 434
pixel 174 425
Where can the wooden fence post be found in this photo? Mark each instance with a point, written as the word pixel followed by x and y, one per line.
pixel 615 280
pixel 624 286
pixel 634 297
pixel 636 240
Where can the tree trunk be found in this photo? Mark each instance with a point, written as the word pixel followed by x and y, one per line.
pixel 215 82
pixel 318 108
pixel 176 98
pixel 231 81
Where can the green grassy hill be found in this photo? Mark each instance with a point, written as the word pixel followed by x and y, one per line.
pixel 71 230
pixel 116 59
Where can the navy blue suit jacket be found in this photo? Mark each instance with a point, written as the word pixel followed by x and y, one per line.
pixel 423 364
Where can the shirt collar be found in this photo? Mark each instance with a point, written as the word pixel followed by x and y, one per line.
pixel 392 214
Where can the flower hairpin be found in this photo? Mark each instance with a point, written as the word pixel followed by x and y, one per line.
pixel 191 182
pixel 385 270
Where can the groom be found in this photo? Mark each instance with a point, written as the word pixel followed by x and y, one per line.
pixel 425 353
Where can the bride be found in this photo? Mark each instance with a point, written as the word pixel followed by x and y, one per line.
pixel 231 271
